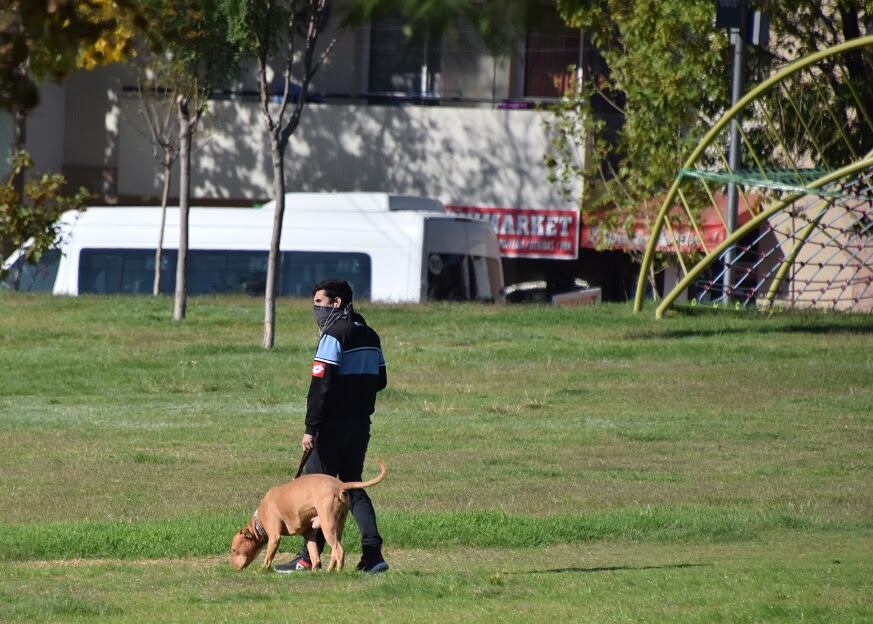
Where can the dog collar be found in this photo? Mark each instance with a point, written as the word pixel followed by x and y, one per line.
pixel 261 532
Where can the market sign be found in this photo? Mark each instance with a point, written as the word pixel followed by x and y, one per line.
pixel 528 233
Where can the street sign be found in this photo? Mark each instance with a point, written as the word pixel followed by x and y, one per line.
pixel 729 13
pixel 758 29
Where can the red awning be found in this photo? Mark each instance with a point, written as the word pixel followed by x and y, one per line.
pixel 681 233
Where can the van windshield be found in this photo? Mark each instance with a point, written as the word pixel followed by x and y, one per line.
pixel 27 276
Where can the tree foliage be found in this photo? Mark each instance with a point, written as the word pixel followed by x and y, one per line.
pixel 660 77
pixel 642 107
pixel 185 54
pixel 189 43
pixel 114 42
pixel 288 32
pixel 497 22
pixel 48 39
pixel 803 27
pixel 33 214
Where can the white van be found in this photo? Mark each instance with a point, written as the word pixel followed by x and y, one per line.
pixel 389 247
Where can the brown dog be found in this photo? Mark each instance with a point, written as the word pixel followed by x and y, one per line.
pixel 299 507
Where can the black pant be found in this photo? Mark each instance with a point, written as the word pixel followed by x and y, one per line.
pixel 340 452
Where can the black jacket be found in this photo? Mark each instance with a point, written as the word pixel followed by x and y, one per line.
pixel 347 372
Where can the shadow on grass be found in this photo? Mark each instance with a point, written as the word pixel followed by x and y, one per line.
pixel 612 568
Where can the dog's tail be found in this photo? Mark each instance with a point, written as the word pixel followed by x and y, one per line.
pixel 354 485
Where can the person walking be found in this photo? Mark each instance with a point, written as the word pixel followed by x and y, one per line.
pixel 347 372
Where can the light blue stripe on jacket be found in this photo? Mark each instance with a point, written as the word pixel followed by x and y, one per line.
pixel 361 361
pixel 329 350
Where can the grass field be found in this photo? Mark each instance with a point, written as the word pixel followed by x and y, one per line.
pixel 545 464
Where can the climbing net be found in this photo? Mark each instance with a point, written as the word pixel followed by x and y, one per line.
pixel 815 252
pixel 804 236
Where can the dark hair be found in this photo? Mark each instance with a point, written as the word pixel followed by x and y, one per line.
pixel 334 288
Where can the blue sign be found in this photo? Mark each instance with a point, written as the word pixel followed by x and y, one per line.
pixel 729 13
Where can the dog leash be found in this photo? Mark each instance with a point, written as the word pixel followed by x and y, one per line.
pixel 303 459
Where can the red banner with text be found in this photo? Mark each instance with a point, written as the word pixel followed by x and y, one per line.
pixel 528 233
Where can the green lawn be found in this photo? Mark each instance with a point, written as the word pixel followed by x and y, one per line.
pixel 545 464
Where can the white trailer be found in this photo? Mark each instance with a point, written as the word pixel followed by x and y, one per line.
pixel 389 247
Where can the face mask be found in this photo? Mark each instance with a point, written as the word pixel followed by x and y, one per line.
pixel 322 315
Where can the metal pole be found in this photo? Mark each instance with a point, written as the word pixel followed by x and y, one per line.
pixel 580 79
pixel 580 62
pixel 422 81
pixel 735 155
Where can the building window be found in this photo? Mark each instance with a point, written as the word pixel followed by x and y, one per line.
pixel 403 62
pixel 550 52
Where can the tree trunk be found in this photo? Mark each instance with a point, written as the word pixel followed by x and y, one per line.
pixel 181 303
pixel 168 174
pixel 278 150
pixel 858 69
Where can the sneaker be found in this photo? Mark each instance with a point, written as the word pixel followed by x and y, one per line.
pixel 372 564
pixel 297 564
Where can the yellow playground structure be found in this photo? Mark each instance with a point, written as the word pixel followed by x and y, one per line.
pixel 805 232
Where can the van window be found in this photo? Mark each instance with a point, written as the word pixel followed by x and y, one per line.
pixel 26 276
pixel 447 277
pixel 301 270
pixel 106 271
pixel 243 272
pixel 457 277
pixel 458 267
pixel 494 277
